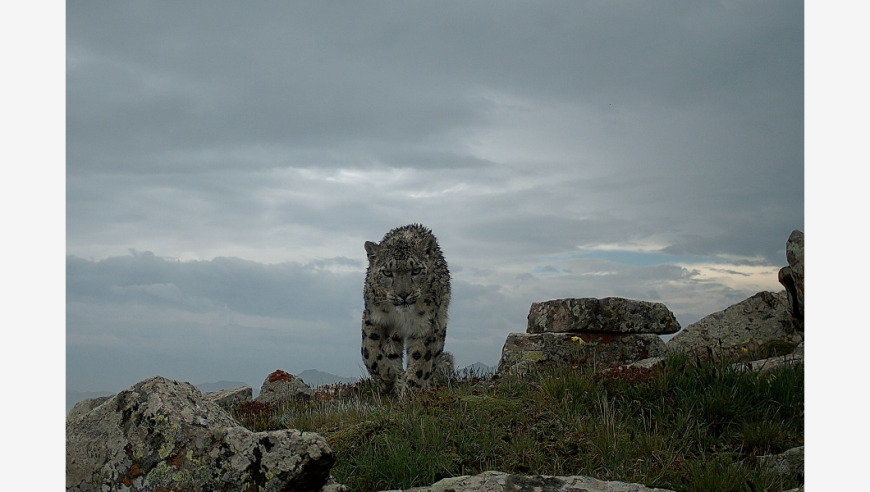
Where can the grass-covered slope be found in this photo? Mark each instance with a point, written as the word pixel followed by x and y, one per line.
pixel 688 425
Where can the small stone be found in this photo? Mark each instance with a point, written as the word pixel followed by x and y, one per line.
pixel 787 464
pixel 282 387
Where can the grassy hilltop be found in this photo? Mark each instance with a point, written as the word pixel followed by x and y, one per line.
pixel 688 425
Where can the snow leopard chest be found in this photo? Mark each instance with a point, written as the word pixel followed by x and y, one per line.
pixel 411 322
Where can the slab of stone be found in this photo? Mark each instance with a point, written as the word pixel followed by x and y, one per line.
pixel 649 362
pixel 765 365
pixel 607 315
pixel 163 435
pixel 522 350
pixel 495 481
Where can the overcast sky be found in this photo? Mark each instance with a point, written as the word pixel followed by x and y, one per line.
pixel 226 162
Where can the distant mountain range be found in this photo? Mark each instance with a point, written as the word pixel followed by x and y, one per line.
pixel 479 368
pixel 312 377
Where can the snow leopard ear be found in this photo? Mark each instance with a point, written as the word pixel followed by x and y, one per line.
pixel 429 246
pixel 371 250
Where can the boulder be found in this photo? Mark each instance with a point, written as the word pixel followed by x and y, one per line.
pixel 282 387
pixel 608 315
pixel 522 350
pixel 229 398
pixel 494 481
pixel 748 325
pixel 163 435
pixel 85 406
pixel 792 277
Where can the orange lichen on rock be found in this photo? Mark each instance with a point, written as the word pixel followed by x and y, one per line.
pixel 133 472
pixel 280 375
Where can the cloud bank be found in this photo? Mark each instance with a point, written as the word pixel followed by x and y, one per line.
pixel 244 154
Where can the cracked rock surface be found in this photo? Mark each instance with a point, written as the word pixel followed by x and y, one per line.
pixel 609 315
pixel 495 481
pixel 162 434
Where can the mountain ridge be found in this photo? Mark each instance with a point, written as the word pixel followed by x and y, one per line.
pixel 312 377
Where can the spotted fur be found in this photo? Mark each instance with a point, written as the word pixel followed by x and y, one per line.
pixel 407 293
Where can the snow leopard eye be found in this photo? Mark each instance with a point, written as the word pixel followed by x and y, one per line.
pixel 417 271
pixel 387 273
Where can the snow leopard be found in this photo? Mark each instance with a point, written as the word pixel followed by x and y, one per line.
pixel 407 293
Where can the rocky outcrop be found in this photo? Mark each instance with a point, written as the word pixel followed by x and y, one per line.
pixel 598 332
pixel 792 278
pixel 281 387
pixel 163 435
pixel 612 315
pixel 229 398
pixel 750 325
pixel 494 481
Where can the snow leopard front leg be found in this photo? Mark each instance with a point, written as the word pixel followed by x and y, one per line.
pixel 382 353
pixel 426 357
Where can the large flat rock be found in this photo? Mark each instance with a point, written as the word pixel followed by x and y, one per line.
pixel 495 481
pixel 607 315
pixel 522 350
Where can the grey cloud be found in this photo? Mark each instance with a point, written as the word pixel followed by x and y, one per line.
pixel 288 290
pixel 228 314
pixel 349 77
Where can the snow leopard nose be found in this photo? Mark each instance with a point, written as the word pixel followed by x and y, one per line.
pixel 403 297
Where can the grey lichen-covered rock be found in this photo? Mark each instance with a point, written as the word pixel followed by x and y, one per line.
pixel 85 406
pixel 787 464
pixel 792 277
pixel 162 434
pixel 494 481
pixel 229 398
pixel 608 315
pixel 522 351
pixel 281 387
pixel 750 324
